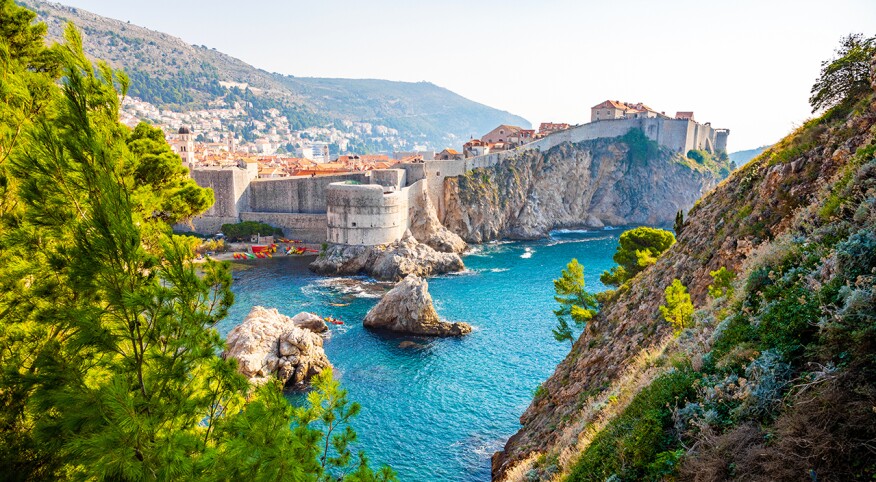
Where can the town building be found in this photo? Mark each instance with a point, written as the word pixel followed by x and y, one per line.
pixel 448 155
pixel 548 128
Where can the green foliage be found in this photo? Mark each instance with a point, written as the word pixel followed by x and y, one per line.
pixel 722 283
pixel 160 181
pixel 845 78
pixel 641 148
pixel 540 391
pixel 637 249
pixel 108 348
pixel 638 444
pixel 699 155
pixel 243 230
pixel 576 303
pixel 678 227
pixel 678 310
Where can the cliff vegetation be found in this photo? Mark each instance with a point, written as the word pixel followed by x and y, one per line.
pixel 748 350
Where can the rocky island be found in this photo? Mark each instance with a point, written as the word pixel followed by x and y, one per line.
pixel 407 308
pixel 269 344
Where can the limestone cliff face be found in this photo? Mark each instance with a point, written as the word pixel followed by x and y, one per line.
pixel 588 184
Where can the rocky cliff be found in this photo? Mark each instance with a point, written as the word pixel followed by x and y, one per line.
pixel 617 181
pixel 390 262
pixel 775 379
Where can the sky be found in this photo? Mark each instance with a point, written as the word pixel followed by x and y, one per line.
pixel 746 65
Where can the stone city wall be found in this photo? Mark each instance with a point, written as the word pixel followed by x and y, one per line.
pixel 295 194
pixel 310 228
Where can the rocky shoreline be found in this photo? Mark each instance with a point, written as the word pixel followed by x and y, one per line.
pixel 391 262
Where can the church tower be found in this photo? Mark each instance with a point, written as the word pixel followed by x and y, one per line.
pixel 185 145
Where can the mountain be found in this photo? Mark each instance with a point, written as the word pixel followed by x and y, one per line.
pixel 772 374
pixel 168 73
pixel 740 158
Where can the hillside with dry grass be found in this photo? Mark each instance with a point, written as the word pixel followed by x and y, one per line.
pixel 776 379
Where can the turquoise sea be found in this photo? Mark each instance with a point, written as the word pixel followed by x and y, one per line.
pixel 438 411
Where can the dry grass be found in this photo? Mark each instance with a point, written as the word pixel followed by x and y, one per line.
pixel 829 434
pixel 597 411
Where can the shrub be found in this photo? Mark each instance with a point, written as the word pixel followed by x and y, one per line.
pixel 637 249
pixel 641 147
pixel 678 310
pixel 699 155
pixel 722 282
pixel 634 445
pixel 244 230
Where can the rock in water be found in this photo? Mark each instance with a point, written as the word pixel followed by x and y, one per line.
pixel 407 308
pixel 268 343
pixel 391 262
pixel 310 321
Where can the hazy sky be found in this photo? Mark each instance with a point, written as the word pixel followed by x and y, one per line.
pixel 745 65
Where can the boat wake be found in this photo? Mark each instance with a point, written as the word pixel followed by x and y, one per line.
pixel 345 289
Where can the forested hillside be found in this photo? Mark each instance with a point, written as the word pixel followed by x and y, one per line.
pixel 169 73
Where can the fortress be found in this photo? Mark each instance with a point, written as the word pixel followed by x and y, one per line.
pixel 375 207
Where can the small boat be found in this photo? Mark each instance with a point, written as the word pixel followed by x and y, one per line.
pixel 333 321
pixel 340 304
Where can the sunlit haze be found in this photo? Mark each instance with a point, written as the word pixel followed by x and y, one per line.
pixel 745 65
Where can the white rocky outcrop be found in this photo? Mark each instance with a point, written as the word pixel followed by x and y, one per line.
pixel 427 229
pixel 390 262
pixel 407 308
pixel 268 344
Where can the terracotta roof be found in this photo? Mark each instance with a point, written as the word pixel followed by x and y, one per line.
pixel 611 104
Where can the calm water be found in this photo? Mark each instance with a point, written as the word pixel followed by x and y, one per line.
pixel 438 411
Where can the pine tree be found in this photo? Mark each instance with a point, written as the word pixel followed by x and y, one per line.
pixel 575 301
pixel 108 352
pixel 637 249
pixel 678 227
pixel 678 310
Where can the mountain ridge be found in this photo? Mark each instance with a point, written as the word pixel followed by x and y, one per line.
pixel 169 73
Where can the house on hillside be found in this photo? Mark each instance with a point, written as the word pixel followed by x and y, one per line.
pixel 448 155
pixel 548 128
pixel 615 109
pixel 474 148
pixel 510 136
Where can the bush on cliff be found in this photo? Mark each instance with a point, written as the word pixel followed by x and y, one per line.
pixel 637 249
pixel 678 310
pixel 641 148
pixel 635 445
